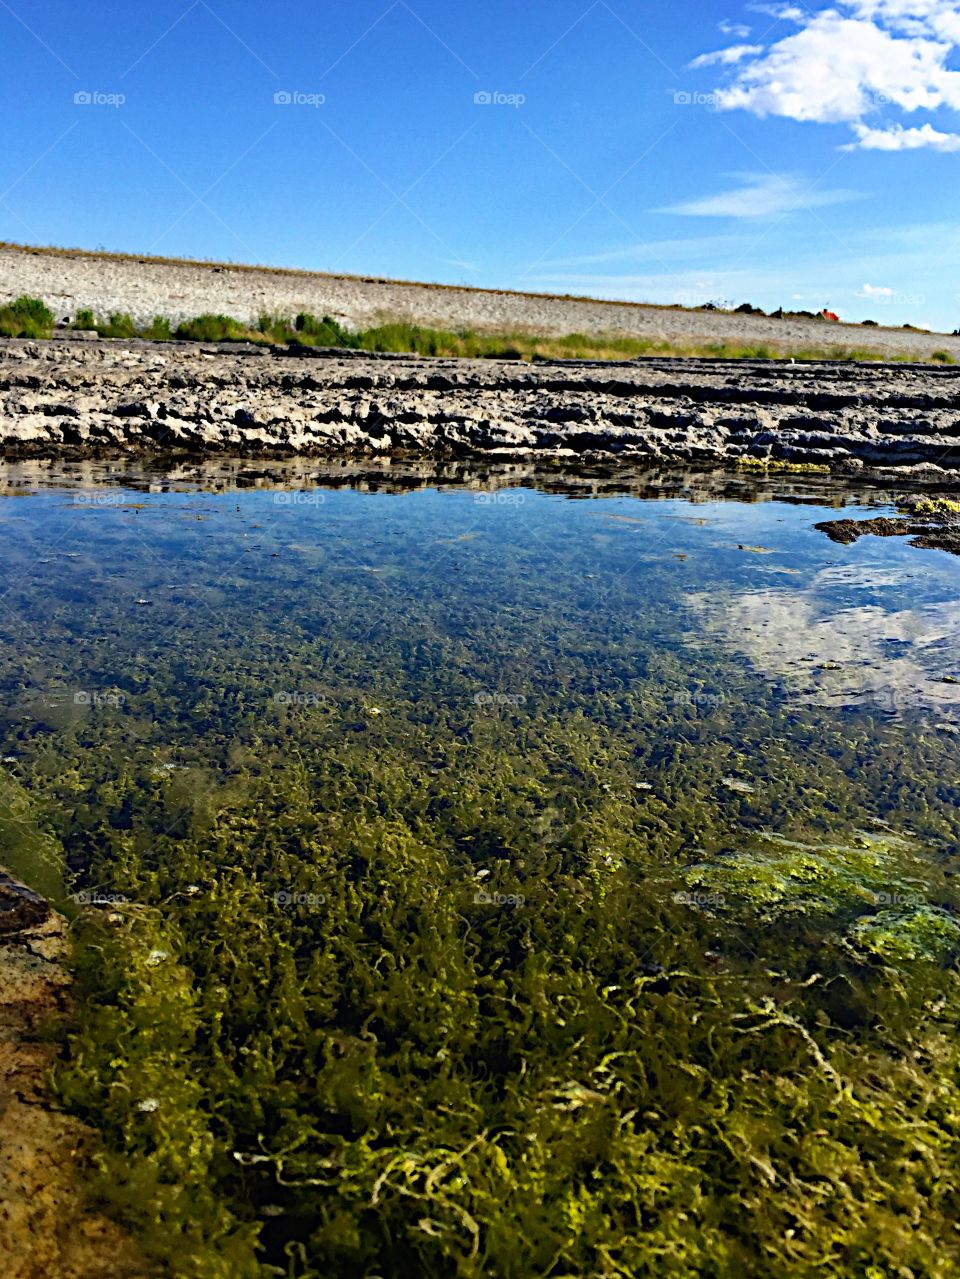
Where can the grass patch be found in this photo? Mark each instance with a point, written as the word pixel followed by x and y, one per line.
pixel 401 337
pixel 158 330
pixel 213 328
pixel 119 325
pixel 26 318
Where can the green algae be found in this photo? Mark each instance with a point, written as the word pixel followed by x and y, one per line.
pixel 781 465
pixel 899 937
pixel 878 892
pixel 775 876
pixel 27 850
pixel 936 506
pixel 437 942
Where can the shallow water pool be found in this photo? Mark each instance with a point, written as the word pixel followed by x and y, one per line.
pixel 442 852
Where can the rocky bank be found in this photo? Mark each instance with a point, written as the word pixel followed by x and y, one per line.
pixel 70 397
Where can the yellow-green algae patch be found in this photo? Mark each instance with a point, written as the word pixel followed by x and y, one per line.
pixel 879 889
pixel 774 875
pixel 901 936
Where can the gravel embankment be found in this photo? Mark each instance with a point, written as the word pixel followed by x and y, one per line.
pixel 74 397
pixel 71 281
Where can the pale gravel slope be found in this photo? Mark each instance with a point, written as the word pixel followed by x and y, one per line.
pixel 70 281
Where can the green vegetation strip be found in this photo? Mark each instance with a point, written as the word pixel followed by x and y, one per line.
pixel 30 318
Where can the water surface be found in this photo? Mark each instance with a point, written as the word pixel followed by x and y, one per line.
pixel 405 812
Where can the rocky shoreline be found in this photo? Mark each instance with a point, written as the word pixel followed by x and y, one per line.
pixel 88 398
pixel 47 1227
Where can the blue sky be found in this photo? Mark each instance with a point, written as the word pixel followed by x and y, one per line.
pixel 777 154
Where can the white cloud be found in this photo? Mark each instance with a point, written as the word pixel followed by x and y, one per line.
pixel 852 62
pixel 897 138
pixel 738 30
pixel 726 57
pixel 659 252
pixel 761 196
pixel 875 291
pixel 937 18
pixel 886 655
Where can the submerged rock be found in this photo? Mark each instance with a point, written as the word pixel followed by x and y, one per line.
pixel 20 909
pixel 47 1228
pixel 932 522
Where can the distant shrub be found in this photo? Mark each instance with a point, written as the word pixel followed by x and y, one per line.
pixel 85 320
pixel 158 330
pixel 943 357
pixel 325 332
pixel 119 325
pixel 870 324
pixel 212 328
pixel 26 318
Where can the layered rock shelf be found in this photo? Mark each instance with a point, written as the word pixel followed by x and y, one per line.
pixel 73 398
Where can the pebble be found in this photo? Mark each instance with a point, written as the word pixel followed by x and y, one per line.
pixel 741 787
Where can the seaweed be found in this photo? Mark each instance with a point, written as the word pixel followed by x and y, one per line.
pixel 419 928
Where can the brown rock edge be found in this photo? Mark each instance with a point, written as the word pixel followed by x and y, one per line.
pixel 928 529
pixel 47 1229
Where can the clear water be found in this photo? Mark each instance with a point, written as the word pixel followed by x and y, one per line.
pixel 366 774
pixel 171 619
